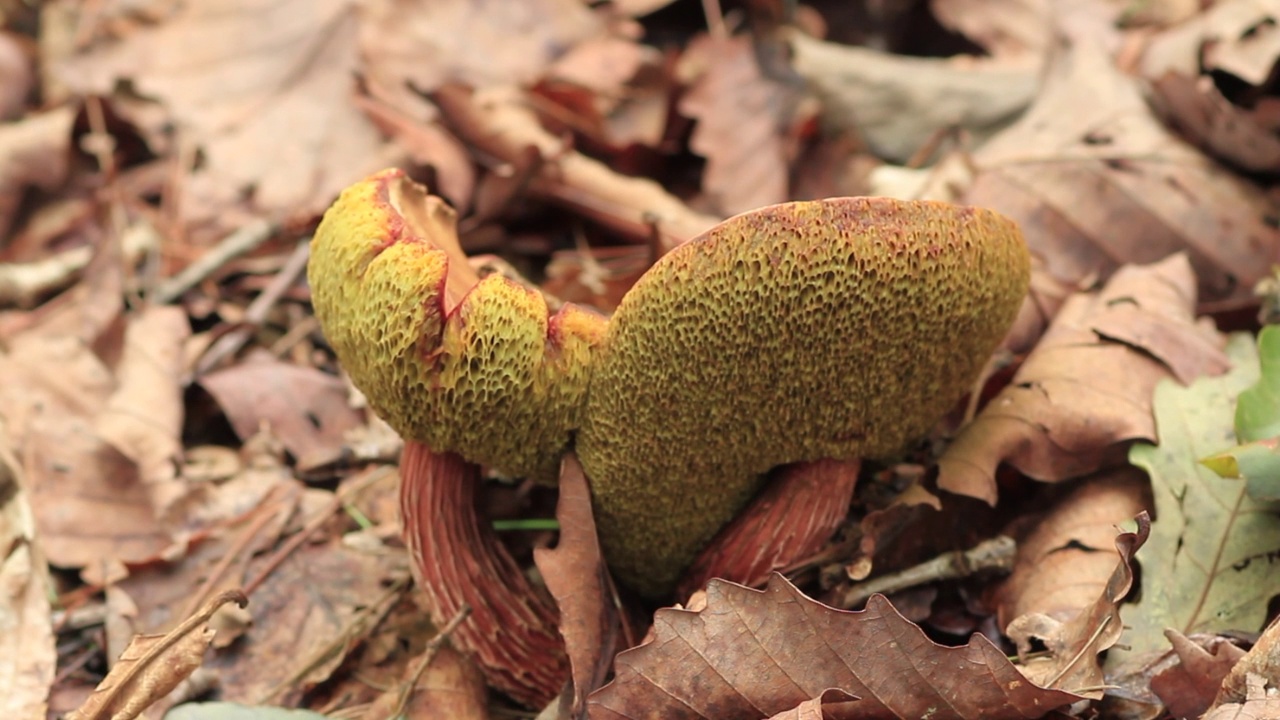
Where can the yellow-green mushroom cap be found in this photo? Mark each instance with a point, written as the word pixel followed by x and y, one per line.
pixel 831 329
pixel 462 364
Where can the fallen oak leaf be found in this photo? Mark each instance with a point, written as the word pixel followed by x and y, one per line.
pixel 754 654
pixel 153 665
pixel 1086 388
pixel 576 576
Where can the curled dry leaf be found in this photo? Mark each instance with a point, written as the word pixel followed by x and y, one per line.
pixel 1097 182
pixel 754 653
pixel 1262 659
pixel 1230 133
pixel 1069 555
pixel 1086 388
pixel 1074 644
pixel 1259 702
pixel 153 665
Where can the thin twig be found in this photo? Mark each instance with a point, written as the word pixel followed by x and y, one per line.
pixel 257 311
pixel 315 523
pixel 995 554
pixel 232 246
pixel 428 654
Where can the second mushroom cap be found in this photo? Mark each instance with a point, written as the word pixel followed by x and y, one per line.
pixel 829 329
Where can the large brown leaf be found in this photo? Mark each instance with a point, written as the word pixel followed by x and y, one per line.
pixel 1087 386
pixel 1097 182
pixel 754 654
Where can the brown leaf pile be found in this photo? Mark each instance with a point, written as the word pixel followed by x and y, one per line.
pixel 174 428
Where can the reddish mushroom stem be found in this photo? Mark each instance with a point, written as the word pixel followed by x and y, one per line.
pixel 791 519
pixel 458 560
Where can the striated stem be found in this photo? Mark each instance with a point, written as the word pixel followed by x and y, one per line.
pixel 791 519
pixel 512 632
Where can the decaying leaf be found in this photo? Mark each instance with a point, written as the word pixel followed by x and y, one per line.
pixel 28 660
pixel 1209 564
pixel 1189 688
pixel 1086 388
pixel 1074 644
pixel 153 665
pixel 1070 555
pixel 1262 659
pixel 1096 181
pixel 754 654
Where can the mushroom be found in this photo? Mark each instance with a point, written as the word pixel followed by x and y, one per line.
pixel 814 333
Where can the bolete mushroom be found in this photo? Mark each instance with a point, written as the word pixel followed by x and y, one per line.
pixel 802 332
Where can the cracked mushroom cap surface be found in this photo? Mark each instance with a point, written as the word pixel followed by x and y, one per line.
pixel 476 366
pixel 831 329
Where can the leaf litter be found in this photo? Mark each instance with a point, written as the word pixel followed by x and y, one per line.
pixel 173 426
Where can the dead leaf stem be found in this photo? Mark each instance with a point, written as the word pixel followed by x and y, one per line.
pixel 428 654
pixel 242 241
pixel 256 313
pixel 998 553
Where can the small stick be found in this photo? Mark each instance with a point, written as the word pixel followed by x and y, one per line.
pixel 232 246
pixel 428 654
pixel 257 312
pixel 995 554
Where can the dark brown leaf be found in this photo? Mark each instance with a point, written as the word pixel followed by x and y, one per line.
pixel 753 654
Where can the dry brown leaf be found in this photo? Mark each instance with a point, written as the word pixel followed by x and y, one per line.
pixel 742 124
pixel 1086 388
pixel 1074 644
pixel 1189 688
pixel 143 417
pixel 1260 702
pixel 265 94
pixel 897 104
pixel 36 152
pixel 305 408
pixel 28 660
pixel 152 666
pixel 17 75
pixel 1096 181
pixel 1232 134
pixel 424 45
pixel 1262 659
pixel 577 577
pixel 830 704
pixel 450 688
pixel 1234 36
pixel 499 122
pixel 753 653
pixel 307 615
pixel 1069 555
